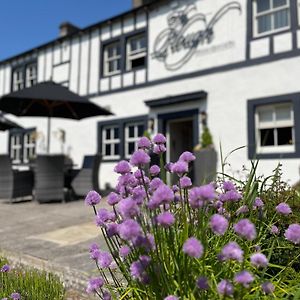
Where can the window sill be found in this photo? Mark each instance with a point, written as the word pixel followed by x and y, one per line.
pixel 271 33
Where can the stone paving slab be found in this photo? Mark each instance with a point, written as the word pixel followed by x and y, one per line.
pixel 53 237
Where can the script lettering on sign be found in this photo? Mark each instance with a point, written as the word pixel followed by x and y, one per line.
pixel 186 31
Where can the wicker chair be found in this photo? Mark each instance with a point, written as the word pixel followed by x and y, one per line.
pixel 14 184
pixel 49 178
pixel 87 177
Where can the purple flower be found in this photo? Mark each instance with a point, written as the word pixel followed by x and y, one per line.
pixel 5 269
pixel 259 260
pixel 144 143
pixel 128 208
pixel 225 288
pixel 159 139
pixel 292 234
pixel 242 210
pixel 168 166
pixel 230 196
pixel 268 287
pixel 202 283
pixel 113 198
pixel 146 242
pixel 139 158
pixel 193 248
pixel 127 180
pixel 232 251
pixel 159 149
pixel 245 229
pixel 218 224
pixel 198 195
pixel 171 297
pixel 124 251
pixel 187 157
pixel 228 186
pixel 283 209
pixel 103 216
pixel 274 229
pixel 138 268
pixel 129 230
pixel 155 183
pixel 111 229
pixel 106 295
pixel 162 195
pixel 122 167
pixel 154 170
pixel 92 198
pixel 105 259
pixel 165 219
pixel 258 203
pixel 15 296
pixel 94 251
pixel 180 168
pixel 94 284
pixel 138 195
pixel 185 182
pixel 244 278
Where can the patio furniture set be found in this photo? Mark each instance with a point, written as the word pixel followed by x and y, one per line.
pixel 48 178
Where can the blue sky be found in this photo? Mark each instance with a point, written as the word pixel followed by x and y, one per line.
pixel 25 24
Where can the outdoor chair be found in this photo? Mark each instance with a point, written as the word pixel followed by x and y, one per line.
pixel 87 177
pixel 49 178
pixel 13 183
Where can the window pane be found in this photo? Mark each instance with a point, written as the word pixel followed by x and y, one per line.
pixel 140 130
pixel 111 67
pixel 107 134
pixel 265 116
pixel 283 113
pixel 116 133
pixel 117 149
pixel 263 5
pixel 285 136
pixel 118 49
pixel 131 131
pixel 131 147
pixel 138 63
pixel 267 137
pixel 133 44
pixel 107 150
pixel 110 51
pixel 278 3
pixel 281 18
pixel 264 23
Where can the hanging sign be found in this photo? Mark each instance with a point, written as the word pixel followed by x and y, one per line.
pixel 186 32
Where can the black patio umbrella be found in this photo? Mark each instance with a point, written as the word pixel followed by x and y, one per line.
pixel 49 99
pixel 6 124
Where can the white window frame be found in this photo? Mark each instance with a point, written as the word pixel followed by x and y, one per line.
pixel 114 58
pixel 16 146
pixel 274 124
pixel 29 144
pixel 18 79
pixel 31 74
pixel 134 139
pixel 271 12
pixel 112 141
pixel 134 54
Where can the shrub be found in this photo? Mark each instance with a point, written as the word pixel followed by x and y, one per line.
pixel 223 239
pixel 28 284
pixel 206 138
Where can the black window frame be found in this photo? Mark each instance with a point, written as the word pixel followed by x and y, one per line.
pixel 121 124
pixel 252 105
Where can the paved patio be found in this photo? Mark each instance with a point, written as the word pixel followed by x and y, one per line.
pixel 54 236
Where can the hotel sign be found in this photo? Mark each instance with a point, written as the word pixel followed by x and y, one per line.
pixel 186 32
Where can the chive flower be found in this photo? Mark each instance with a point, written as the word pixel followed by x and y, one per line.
pixel 268 287
pixel 92 198
pixel 154 170
pixel 5 269
pixel 244 278
pixel 258 260
pixel 245 229
pixel 94 284
pixel 165 219
pixel 225 288
pixel 193 248
pixel 144 143
pixel 129 230
pixel 139 158
pixel 218 224
pixel 122 167
pixel 159 139
pixel 232 251
pixel 292 234
pixel 283 209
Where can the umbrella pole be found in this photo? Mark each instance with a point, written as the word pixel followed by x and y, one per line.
pixel 48 135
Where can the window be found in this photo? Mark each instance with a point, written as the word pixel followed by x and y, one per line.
pixel 18 79
pixel 111 142
pixel 112 59
pixel 22 145
pixel 136 52
pixel 31 75
pixel 25 76
pixel 271 16
pixel 133 132
pixel 275 128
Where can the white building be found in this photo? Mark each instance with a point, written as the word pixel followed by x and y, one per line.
pixel 170 62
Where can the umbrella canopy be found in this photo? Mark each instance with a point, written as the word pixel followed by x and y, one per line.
pixel 49 99
pixel 6 124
